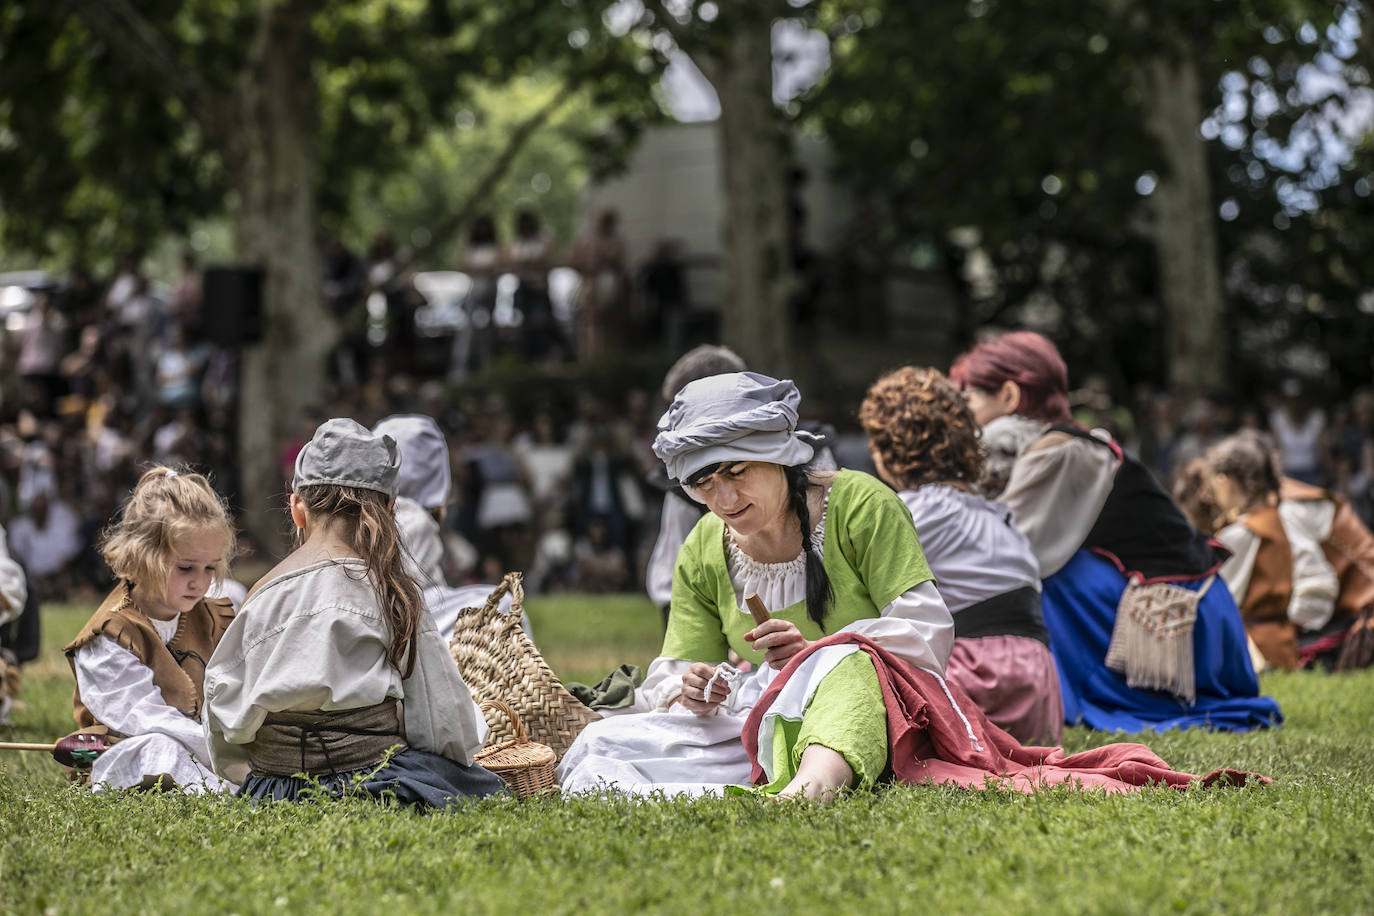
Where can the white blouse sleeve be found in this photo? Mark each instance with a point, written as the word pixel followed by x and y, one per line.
pixel 1056 494
pixel 1244 545
pixel 119 691
pixel 1307 523
pixel 663 681
pixel 13 589
pixel 916 627
pixel 441 716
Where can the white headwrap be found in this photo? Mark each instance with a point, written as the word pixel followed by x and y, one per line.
pixel 740 416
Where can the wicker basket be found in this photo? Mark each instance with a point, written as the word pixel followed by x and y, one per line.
pixel 498 662
pixel 527 767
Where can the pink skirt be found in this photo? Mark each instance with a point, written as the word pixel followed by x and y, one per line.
pixel 1014 681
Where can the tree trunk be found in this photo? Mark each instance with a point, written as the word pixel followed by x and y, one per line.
pixel 1185 229
pixel 272 163
pixel 760 279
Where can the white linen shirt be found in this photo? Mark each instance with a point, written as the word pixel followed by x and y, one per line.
pixel 119 692
pixel 315 639
pixel 972 545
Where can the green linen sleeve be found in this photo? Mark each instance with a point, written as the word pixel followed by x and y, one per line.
pixel 880 539
pixel 694 628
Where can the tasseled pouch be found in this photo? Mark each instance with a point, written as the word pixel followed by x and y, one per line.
pixel 1152 640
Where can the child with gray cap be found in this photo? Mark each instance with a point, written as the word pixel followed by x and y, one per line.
pixel 422 490
pixel 332 664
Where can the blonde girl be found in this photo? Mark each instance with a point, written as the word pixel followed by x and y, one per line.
pixel 140 660
pixel 333 674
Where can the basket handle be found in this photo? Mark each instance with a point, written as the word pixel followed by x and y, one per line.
pixel 505 708
pixel 512 583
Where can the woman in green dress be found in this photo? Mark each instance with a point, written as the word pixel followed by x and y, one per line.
pixel 825 552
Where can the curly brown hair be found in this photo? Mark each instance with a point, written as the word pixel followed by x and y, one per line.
pixel 921 429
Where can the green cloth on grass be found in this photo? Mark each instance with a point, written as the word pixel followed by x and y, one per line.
pixel 616 690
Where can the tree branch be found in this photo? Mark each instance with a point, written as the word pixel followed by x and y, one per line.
pixel 142 47
pixel 495 172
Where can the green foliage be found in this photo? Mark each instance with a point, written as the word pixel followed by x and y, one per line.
pixel 1303 844
pixel 116 119
pixel 1020 128
pixel 443 172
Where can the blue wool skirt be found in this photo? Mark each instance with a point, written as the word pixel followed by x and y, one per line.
pixel 414 778
pixel 1079 604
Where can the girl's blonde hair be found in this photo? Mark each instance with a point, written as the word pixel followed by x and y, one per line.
pixel 167 504
pixel 370 529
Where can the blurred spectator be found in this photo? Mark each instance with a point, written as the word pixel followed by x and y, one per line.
pixel 599 255
pixel 125 284
pixel 504 514
pixel 546 462
pixel 183 305
pixel 178 370
pixel 343 289
pixel 481 261
pixel 664 280
pixel 178 442
pixel 1297 427
pixel 605 489
pixel 46 539
pixel 1094 408
pixel 601 565
pixel 1202 430
pixel 386 279
pixel 42 343
pixel 80 367
pixel 1360 489
pixel 529 256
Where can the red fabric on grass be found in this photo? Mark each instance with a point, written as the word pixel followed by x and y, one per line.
pixel 929 743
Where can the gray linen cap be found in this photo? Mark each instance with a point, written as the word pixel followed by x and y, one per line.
pixel 347 454
pixel 739 416
pixel 424 475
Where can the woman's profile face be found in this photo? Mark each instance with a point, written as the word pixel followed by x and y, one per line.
pixel 987 406
pixel 748 496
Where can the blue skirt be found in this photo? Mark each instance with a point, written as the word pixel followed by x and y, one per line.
pixel 1080 602
pixel 412 777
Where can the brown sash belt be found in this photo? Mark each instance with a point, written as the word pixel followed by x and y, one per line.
pixel 326 743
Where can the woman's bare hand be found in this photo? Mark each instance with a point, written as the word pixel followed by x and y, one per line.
pixel 778 640
pixel 694 683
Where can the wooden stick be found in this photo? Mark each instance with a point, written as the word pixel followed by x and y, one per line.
pixel 756 608
pixel 20 746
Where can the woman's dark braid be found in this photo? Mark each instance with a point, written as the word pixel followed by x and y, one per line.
pixel 819 592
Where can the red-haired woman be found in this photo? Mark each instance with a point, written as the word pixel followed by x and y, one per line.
pixel 1108 538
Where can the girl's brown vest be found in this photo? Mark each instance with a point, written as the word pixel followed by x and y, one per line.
pixel 1265 606
pixel 178 666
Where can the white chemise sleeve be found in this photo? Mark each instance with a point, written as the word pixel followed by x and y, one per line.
pixel 1306 524
pixel 1244 545
pixel 916 627
pixel 13 589
pixel 119 691
pixel 441 716
pixel 1056 494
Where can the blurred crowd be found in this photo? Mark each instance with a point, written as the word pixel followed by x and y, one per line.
pixel 101 377
pixel 1327 442
pixel 98 377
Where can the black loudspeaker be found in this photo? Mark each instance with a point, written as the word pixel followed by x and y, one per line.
pixel 231 305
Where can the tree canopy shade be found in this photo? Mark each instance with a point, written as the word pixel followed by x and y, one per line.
pixel 121 121
pixel 1037 136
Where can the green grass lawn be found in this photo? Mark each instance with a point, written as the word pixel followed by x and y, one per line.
pixel 1303 844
